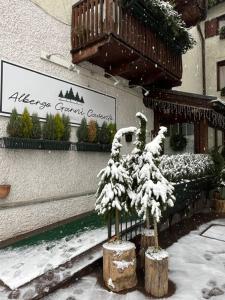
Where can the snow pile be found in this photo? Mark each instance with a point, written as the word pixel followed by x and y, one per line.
pixel 122 265
pixel 110 283
pixel 177 168
pixel 156 254
pixel 119 246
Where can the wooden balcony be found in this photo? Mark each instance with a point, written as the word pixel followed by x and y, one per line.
pixel 106 35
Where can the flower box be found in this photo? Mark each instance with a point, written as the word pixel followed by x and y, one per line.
pixel 23 143
pixel 93 147
pixel 4 190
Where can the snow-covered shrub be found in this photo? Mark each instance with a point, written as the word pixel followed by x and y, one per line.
pixel 131 161
pixel 154 193
pixel 187 166
pixel 115 186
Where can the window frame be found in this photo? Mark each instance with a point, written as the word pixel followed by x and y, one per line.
pixel 219 64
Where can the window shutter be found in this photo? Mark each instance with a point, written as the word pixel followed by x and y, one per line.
pixel 211 28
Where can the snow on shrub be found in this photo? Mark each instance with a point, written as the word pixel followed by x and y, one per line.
pixel 154 192
pixel 115 186
pixel 187 166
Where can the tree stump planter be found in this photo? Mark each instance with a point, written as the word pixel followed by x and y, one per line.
pixel 119 265
pixel 147 240
pixel 219 205
pixel 156 272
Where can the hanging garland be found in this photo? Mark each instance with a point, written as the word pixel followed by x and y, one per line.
pixel 194 113
pixel 178 142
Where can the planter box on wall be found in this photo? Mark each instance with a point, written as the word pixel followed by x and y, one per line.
pixel 22 143
pixel 93 147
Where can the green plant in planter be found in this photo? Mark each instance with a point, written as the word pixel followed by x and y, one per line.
pixel 59 127
pixel 104 137
pixel 92 131
pixel 222 92
pixel 111 131
pixel 26 125
pixel 82 132
pixel 67 128
pixel 222 33
pixel 36 129
pixel 49 128
pixel 13 127
pixel 97 132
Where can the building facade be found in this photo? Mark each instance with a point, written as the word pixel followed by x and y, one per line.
pixel 51 186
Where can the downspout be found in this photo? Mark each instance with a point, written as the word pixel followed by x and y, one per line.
pixel 203 59
pixel 203 128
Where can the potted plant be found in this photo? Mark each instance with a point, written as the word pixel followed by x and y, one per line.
pixel 222 92
pixel 219 194
pixel 25 132
pixel 4 190
pixel 222 33
pixel 153 195
pixel 115 187
pixel 92 138
pixel 104 137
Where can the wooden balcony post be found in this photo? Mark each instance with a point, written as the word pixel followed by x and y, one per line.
pixel 109 16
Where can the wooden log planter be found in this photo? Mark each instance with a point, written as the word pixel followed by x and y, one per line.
pixel 156 272
pixel 219 205
pixel 119 265
pixel 147 240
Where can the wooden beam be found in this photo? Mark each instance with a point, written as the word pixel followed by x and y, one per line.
pixel 147 80
pixel 87 53
pixel 122 68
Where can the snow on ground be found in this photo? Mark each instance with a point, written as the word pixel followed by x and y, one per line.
pixel 197 267
pixel 21 265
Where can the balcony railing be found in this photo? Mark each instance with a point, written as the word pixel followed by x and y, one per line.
pixel 94 21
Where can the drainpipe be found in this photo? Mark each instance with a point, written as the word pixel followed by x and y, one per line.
pixel 203 59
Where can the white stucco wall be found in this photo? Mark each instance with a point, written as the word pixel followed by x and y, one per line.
pixel 192 67
pixel 25 31
pixel 215 51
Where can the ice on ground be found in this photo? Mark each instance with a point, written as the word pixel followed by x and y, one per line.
pixel 215 232
pixel 196 266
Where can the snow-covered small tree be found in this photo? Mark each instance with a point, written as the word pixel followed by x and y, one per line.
pixel 131 161
pixel 115 185
pixel 154 193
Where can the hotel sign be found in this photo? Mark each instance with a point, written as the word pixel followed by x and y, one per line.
pixel 42 94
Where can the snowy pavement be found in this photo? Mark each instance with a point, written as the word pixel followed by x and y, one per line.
pixel 21 265
pixel 196 263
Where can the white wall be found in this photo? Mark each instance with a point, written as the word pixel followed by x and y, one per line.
pixel 25 31
pixel 215 51
pixel 192 67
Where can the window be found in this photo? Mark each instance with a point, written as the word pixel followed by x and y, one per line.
pixel 215 138
pixel 221 22
pixel 186 129
pixel 220 75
